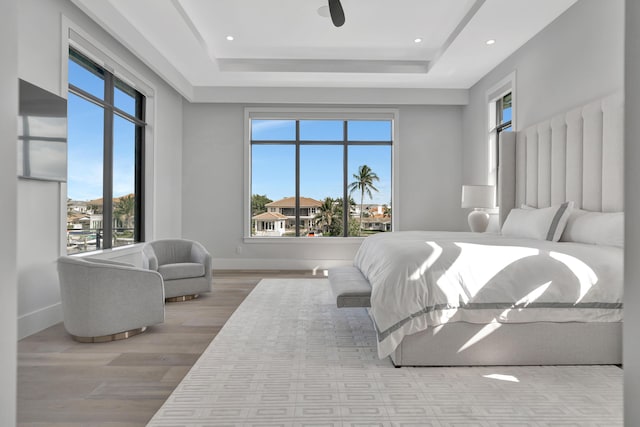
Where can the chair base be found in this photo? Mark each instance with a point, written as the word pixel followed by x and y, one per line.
pixel 113 337
pixel 182 298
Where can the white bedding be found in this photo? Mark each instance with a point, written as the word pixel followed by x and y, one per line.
pixel 421 279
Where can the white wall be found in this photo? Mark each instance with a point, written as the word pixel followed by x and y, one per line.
pixel 577 58
pixel 42 205
pixel 8 194
pixel 429 177
pixel 430 172
pixel 631 349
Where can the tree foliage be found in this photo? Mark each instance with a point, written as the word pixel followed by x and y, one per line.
pixel 258 203
pixel 330 217
pixel 363 183
pixel 124 210
pixel 96 209
pixel 329 214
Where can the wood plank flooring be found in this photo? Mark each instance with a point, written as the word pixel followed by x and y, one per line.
pixel 123 383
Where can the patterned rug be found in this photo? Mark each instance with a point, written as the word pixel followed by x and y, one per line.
pixel 289 357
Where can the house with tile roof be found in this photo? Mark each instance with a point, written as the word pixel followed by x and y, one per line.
pixel 283 212
pixel 376 218
pixel 269 224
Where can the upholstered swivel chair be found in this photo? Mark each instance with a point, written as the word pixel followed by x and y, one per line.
pixel 106 300
pixel 185 266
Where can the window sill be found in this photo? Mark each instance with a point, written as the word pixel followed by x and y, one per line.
pixel 304 240
pixel 112 252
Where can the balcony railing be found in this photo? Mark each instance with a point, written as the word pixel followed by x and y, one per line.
pixel 93 239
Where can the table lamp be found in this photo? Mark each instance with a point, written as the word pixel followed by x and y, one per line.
pixel 478 197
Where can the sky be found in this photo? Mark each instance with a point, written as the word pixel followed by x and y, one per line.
pixel 321 166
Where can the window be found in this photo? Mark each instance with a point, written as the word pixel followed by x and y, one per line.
pixel 503 113
pixel 105 201
pixel 500 120
pixel 304 169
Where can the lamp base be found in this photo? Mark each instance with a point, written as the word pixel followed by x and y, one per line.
pixel 478 220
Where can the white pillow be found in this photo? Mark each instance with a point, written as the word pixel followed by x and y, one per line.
pixel 539 224
pixel 596 228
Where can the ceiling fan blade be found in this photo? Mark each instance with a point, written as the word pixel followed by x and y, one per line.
pixel 337 14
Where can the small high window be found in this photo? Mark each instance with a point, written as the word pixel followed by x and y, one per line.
pixel 500 120
pixel 503 113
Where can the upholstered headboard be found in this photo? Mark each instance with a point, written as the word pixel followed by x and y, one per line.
pixel 575 156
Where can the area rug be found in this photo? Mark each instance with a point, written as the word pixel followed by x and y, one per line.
pixel 289 357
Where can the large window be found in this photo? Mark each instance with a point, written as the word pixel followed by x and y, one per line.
pixel 317 177
pixel 105 159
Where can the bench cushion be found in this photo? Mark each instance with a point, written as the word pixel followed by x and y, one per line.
pixel 350 287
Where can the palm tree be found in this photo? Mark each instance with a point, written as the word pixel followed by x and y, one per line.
pixel 352 205
pixel 364 183
pixel 327 213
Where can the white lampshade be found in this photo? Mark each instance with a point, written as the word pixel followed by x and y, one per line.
pixel 478 196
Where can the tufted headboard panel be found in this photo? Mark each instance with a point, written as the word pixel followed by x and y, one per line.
pixel 575 156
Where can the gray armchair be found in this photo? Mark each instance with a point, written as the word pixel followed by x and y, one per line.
pixel 185 266
pixel 106 300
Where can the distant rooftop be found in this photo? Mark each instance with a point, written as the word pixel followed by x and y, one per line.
pixel 290 202
pixel 266 216
pixel 100 201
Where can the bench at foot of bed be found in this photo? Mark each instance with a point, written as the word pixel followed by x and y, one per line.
pixel 350 287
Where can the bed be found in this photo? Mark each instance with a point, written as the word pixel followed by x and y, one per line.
pixel 546 290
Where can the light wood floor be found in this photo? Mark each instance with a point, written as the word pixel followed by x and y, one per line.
pixel 123 383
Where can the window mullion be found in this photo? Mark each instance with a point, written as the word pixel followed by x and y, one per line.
pixel 85 95
pixel 346 206
pixel 297 202
pixel 128 117
pixel 107 203
pixel 138 229
pixel 503 126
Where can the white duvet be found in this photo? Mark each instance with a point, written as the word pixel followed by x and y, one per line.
pixel 421 279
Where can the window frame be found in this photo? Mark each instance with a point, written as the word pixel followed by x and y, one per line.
pixel 500 127
pixel 494 97
pixel 298 114
pixel 111 82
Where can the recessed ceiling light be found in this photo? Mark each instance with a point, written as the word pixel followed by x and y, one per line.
pixel 417 40
pixel 490 42
pixel 230 38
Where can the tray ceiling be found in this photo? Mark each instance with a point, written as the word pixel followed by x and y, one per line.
pixel 289 43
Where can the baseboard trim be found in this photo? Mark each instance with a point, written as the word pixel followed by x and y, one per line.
pixel 277 264
pixel 30 323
